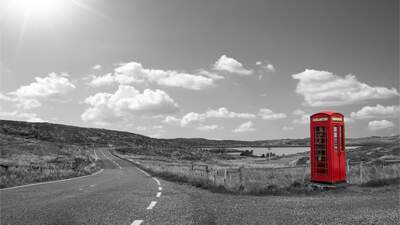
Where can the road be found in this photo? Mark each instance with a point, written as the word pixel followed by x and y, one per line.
pixel 122 194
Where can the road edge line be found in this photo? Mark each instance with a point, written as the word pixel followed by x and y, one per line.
pixel 53 181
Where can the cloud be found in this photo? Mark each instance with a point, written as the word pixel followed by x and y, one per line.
pixel 225 113
pixel 303 117
pixel 198 118
pixel 378 111
pixel 97 67
pixel 23 116
pixel 126 103
pixel 231 65
pixel 54 87
pixel 134 72
pixel 287 128
pixel 270 68
pixel 322 88
pixel 191 118
pixel 267 114
pixel 171 120
pixel 244 127
pixel 97 81
pixel 266 66
pixel 380 125
pixel 207 127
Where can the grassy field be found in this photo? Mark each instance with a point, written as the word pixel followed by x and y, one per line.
pixel 369 166
pixel 32 152
pixel 24 161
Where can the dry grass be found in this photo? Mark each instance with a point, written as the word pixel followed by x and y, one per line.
pixel 256 181
pixel 25 161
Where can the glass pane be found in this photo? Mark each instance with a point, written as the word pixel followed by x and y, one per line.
pixel 335 137
pixel 320 156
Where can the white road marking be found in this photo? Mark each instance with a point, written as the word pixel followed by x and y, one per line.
pixel 158 194
pixel 159 188
pixel 92 185
pixel 137 222
pixel 157 181
pixel 51 182
pixel 96 157
pixel 111 160
pixel 152 204
pixel 145 173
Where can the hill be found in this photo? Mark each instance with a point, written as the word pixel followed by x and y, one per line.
pixel 102 137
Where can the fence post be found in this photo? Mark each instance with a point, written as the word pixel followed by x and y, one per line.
pixel 240 176
pixel 361 175
pixel 224 176
pixel 348 171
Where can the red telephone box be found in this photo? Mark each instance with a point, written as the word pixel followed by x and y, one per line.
pixel 328 156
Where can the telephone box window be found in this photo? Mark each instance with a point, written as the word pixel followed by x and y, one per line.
pixel 342 138
pixel 320 149
pixel 335 138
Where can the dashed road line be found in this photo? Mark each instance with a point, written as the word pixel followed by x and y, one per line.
pixel 111 160
pixel 152 204
pixel 137 222
pixel 159 188
pixel 96 157
pixel 51 182
pixel 145 173
pixel 157 181
pixel 158 194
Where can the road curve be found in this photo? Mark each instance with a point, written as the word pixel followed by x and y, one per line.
pixel 122 194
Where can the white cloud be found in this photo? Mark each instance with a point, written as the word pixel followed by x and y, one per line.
pixel 244 127
pixel 191 118
pixel 225 113
pixel 270 68
pixel 134 72
pixel 231 65
pixel 171 120
pixel 207 127
pixel 198 118
pixel 54 87
pixel 97 67
pixel 209 74
pixel 266 66
pixel 303 117
pixel 287 128
pixel 23 116
pixel 380 125
pixel 378 111
pixel 322 88
pixel 97 81
pixel 127 102
pixel 267 114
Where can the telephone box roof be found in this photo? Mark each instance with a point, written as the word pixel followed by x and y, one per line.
pixel 329 113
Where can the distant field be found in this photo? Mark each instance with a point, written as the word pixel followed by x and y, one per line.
pixel 369 165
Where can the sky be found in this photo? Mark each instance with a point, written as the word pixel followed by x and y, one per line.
pixel 218 69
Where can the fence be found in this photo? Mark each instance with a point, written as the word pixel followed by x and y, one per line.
pixel 246 179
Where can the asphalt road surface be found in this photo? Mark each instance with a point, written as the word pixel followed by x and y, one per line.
pixel 122 194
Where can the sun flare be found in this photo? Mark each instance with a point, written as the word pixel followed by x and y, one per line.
pixel 39 7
